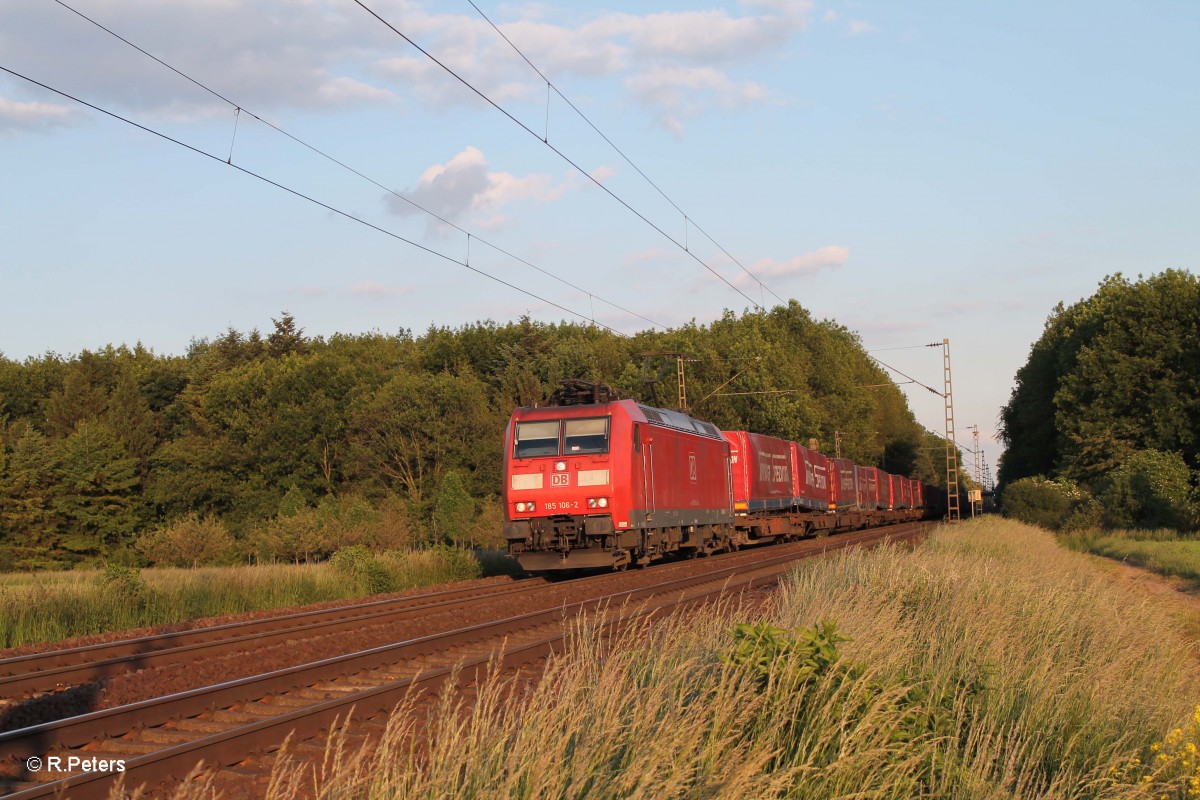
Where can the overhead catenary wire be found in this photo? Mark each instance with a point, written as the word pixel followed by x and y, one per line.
pixel 686 218
pixel 302 195
pixel 794 391
pixel 312 148
pixel 910 377
pixel 556 151
pixel 905 347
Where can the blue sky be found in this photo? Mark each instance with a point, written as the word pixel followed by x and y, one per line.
pixel 914 171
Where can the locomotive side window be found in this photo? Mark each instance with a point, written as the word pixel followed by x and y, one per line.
pixel 536 439
pixel 585 436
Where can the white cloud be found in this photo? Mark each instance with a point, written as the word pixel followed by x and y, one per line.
pixel 347 91
pixel 829 16
pixel 829 257
pixel 263 54
pixel 702 36
pixel 272 54
pixel 15 116
pixel 464 186
pixel 602 174
pixel 685 91
pixel 858 26
pixel 374 290
pixel 673 62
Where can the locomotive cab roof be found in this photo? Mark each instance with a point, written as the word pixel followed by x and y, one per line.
pixel 662 417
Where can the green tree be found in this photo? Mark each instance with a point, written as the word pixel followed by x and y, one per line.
pixel 97 492
pixel 376 422
pixel 453 511
pixel 417 427
pixel 129 416
pixel 1116 373
pixel 82 397
pixel 27 489
pixel 1150 490
pixel 287 338
pixel 187 542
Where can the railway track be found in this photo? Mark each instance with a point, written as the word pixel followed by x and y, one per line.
pixel 224 725
pixel 57 669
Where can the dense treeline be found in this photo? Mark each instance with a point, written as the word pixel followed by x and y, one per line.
pixel 287 446
pixel 1104 422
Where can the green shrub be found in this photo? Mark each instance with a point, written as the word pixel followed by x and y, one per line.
pixel 359 564
pixel 1149 490
pixel 187 542
pixel 459 564
pixel 126 587
pixel 453 510
pixel 1050 504
pixel 432 565
pixel 796 655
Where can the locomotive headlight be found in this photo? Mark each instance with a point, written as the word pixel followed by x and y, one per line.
pixel 602 502
pixel 560 465
pixel 520 507
pixel 591 502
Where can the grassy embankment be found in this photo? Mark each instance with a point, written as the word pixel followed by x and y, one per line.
pixel 991 663
pixel 1163 551
pixel 49 606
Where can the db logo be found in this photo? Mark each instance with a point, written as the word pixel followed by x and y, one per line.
pixel 560 479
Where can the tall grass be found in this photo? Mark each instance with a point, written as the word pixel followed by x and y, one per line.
pixel 1179 559
pixel 46 607
pixel 991 663
pixel 1162 551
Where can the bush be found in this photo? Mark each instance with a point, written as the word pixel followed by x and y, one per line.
pixel 453 510
pixel 458 564
pixel 396 528
pixel 432 565
pixel 804 653
pixel 294 537
pixel 300 533
pixel 1150 490
pixel 359 564
pixel 126 586
pixel 1050 504
pixel 487 531
pixel 187 542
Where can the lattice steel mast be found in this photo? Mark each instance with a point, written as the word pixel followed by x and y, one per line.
pixel 976 510
pixel 952 509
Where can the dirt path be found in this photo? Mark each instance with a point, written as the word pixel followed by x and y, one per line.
pixel 1179 597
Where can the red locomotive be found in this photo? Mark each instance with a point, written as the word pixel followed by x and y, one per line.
pixel 591 481
pixel 612 483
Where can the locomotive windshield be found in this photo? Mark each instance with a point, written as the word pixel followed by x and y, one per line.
pixel 537 439
pixel 585 436
pixel 579 437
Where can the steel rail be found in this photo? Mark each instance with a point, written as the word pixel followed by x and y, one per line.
pixel 230 746
pixel 60 668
